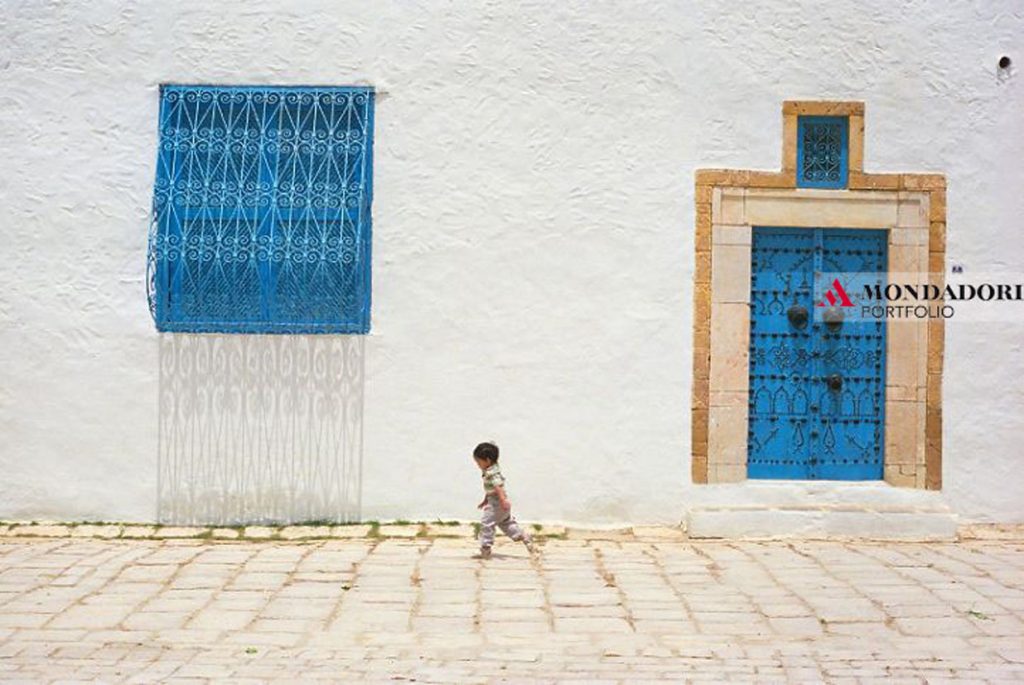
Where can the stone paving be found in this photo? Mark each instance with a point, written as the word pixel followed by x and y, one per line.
pixel 584 609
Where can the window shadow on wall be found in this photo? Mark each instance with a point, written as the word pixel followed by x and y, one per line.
pixel 260 428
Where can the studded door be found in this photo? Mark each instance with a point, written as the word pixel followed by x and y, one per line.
pixel 817 372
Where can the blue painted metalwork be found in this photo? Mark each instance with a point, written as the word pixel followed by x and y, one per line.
pixel 800 426
pixel 261 210
pixel 822 152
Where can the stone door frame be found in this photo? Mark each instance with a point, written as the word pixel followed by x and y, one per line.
pixel 729 203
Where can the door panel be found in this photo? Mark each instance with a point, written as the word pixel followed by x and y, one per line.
pixel 816 390
pixel 781 356
pixel 852 424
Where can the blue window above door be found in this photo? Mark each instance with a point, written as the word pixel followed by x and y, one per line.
pixel 822 152
pixel 261 210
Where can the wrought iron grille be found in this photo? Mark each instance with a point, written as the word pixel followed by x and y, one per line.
pixel 822 152
pixel 261 210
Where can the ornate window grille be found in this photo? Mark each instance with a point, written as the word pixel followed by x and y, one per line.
pixel 822 152
pixel 261 210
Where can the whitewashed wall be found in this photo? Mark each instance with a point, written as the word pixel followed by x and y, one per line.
pixel 533 223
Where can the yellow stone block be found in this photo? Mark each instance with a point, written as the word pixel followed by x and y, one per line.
pixel 823 108
pixel 924 182
pixel 938 205
pixel 860 181
pixel 856 155
pixel 937 236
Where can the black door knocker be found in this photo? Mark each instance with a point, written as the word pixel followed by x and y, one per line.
pixel 833 317
pixel 797 315
pixel 835 382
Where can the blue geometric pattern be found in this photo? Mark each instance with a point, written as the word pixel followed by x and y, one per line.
pixel 803 425
pixel 822 152
pixel 261 210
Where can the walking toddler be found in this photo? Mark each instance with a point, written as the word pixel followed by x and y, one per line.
pixel 497 510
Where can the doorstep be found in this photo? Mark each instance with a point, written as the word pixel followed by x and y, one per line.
pixel 820 509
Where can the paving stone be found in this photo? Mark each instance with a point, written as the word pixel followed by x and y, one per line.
pixel 264 638
pixel 467 610
pixel 50 531
pixel 156 620
pixel 796 626
pixel 659 533
pixel 9 619
pixel 399 531
pixel 592 625
pixel 133 531
pixel 584 599
pixel 107 531
pixel 259 532
pixel 305 532
pixel 792 609
pixel 260 581
pixel 178 532
pixel 942 626
pixel 91 617
pixel 618 534
pixel 188 637
pixel 212 618
pixel 438 530
pixel 225 533
pixel 350 531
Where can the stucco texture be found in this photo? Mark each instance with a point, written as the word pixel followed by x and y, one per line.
pixel 532 218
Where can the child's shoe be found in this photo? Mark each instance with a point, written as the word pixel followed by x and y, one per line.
pixel 530 547
pixel 485 553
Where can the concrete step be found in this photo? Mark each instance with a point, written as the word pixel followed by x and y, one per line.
pixel 872 510
pixel 822 522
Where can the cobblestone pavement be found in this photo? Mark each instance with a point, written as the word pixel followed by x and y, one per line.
pixel 595 610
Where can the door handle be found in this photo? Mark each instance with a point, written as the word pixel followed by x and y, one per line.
pixel 835 382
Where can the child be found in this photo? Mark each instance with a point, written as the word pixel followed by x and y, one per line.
pixel 497 510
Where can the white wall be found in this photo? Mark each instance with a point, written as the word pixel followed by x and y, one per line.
pixel 533 223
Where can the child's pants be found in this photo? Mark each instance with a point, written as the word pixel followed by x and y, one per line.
pixel 493 516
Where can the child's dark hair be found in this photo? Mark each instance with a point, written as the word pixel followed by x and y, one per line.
pixel 486 451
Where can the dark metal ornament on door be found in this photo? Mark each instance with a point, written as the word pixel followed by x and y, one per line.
pixel 797 316
pixel 833 318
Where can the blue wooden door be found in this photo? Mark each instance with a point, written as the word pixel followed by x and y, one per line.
pixel 817 388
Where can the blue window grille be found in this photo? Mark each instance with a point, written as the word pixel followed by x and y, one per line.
pixel 822 152
pixel 261 210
